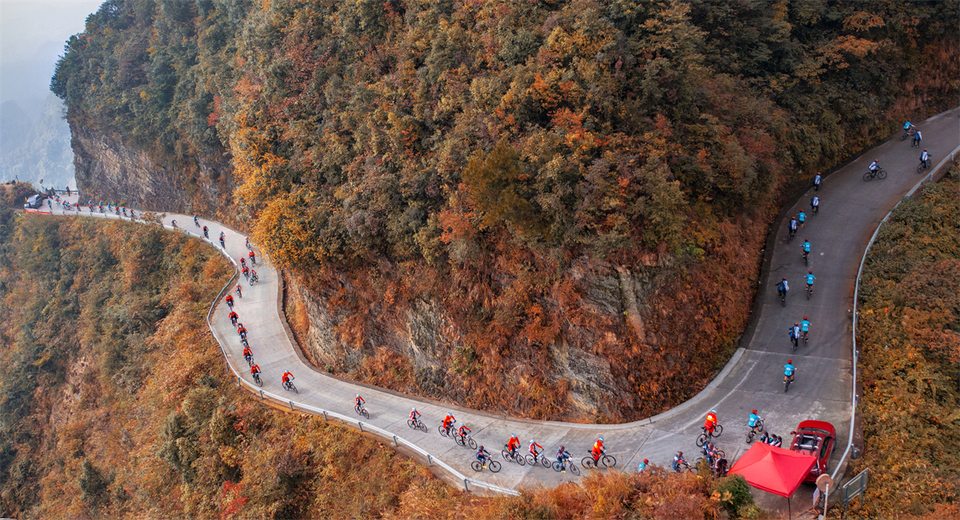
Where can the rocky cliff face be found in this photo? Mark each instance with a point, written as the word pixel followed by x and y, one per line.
pixel 109 170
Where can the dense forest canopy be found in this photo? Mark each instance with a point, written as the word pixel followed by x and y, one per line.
pixel 498 158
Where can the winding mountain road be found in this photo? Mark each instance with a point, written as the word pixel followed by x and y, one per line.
pixel 850 211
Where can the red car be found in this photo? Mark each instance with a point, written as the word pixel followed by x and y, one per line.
pixel 816 438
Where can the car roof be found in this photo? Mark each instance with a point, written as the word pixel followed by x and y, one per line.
pixel 818 425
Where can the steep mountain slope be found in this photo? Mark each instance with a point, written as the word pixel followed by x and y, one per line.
pixel 552 209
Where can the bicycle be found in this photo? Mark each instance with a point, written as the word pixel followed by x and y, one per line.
pixel 783 297
pixel 922 166
pixel 879 173
pixel 288 385
pixel 757 428
pixel 682 466
pixel 493 465
pixel 533 459
pixel 361 411
pixel 809 291
pixel 254 278
pixel 794 340
pixel 916 142
pixel 608 461
pixel 249 360
pixel 786 383
pixel 702 439
pixel 465 440
pixel 514 456
pixel 257 380
pixel 908 133
pixel 572 466
pixel 791 233
pixel 417 424
pixel 805 334
pixel 806 257
pixel 444 431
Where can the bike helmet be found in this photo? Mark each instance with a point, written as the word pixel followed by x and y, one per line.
pixel 924 149
pixel 562 448
pixel 784 277
pixel 713 411
pixel 601 439
pixel 414 409
pixel 796 323
pixel 513 435
pixel 679 453
pixel 753 411
pixel 481 448
pixel 358 395
pixel 532 441
pixel 789 361
pixel 646 461
pixel 804 317
pixel 810 272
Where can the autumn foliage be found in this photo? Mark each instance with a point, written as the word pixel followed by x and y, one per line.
pixel 909 336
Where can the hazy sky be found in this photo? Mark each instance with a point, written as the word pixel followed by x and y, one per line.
pixel 32 35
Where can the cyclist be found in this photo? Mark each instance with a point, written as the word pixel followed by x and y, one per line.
pixel 463 431
pixel 242 331
pixel 222 237
pixel 513 444
pixel 810 279
pixel 917 138
pixel 907 126
pixel 254 369
pixel 196 220
pixel 792 226
pixel 815 204
pixel 709 452
pixel 597 450
pixel 172 222
pixel 206 230
pixel 783 287
pixel 754 421
pixel 243 262
pixel 247 354
pixel 253 258
pixel 286 379
pixel 788 370
pixel 777 441
pixel 562 457
pixel 246 271
pixel 247 242
pixel 795 333
pixel 483 455
pixel 643 465
pixel 874 166
pixel 239 291
pixel 801 217
pixel 711 422
pixel 535 449
pixel 805 328
pixel 678 460
pixel 229 300
pixel 253 275
pixel 817 179
pixel 415 415
pixel 233 317
pixel 806 247
pixel 359 402
pixel 448 422
pixel 924 157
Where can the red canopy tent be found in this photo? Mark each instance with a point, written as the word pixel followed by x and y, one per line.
pixel 774 470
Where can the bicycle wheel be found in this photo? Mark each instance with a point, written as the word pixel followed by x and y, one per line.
pixel 363 411
pixel 472 443
pixel 574 469
pixel 257 380
pixel 476 465
pixel 609 461
pixel 587 462
pixel 294 388
pixel 531 460
pixel 412 424
pixel 505 454
pixel 868 176
pixel 920 168
pixel 442 431
pixel 720 454
pixel 783 300
pixel 701 439
pixel 881 174
pixel 556 466
pixel 786 385
pixel 422 427
pixel 494 466
pixel 519 459
pixel 717 430
pixel 544 461
pixel 458 439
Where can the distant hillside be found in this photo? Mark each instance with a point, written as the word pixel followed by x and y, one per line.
pixel 553 209
pixel 36 149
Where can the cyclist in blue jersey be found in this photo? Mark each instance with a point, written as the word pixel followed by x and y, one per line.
pixel 874 166
pixel 563 456
pixel 907 126
pixel 815 204
pixel 783 287
pixel 801 217
pixel 810 279
pixel 754 421
pixel 924 157
pixel 805 328
pixel 817 179
pixel 483 456
pixel 788 370
pixel 643 465
pixel 795 333
pixel 806 248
